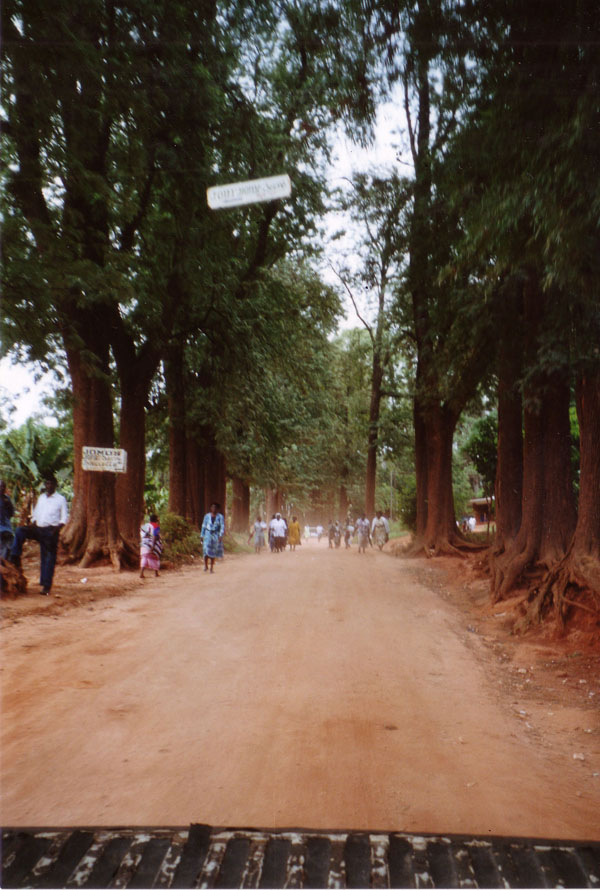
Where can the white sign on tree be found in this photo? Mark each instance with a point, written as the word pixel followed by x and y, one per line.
pixel 103 460
pixel 251 192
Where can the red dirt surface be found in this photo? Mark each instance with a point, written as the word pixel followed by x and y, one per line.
pixel 317 689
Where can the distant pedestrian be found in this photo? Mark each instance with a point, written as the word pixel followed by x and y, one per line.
pixel 279 533
pixel 49 515
pixel 363 529
pixel 380 529
pixel 7 511
pixel 294 538
pixel 319 533
pixel 330 533
pixel 258 531
pixel 472 522
pixel 348 533
pixel 150 546
pixel 213 529
pixel 272 533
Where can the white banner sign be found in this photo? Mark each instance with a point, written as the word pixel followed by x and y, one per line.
pixel 104 460
pixel 251 192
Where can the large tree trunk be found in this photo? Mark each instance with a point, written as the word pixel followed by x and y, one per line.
pixel 240 507
pixel 177 432
pixel 420 470
pixel 194 504
pixel 509 469
pixel 440 536
pixel 577 574
pixel 547 501
pixel 92 533
pixel 215 478
pixel 132 438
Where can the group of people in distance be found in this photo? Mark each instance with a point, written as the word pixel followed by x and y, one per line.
pixel 279 533
pixel 368 533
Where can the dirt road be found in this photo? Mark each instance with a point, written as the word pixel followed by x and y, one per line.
pixel 317 689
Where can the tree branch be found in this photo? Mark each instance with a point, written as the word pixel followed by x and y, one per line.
pixel 351 295
pixel 411 132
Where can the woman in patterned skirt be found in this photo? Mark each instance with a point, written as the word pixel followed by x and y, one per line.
pixel 213 529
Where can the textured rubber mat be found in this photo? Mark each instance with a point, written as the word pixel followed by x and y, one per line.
pixel 201 856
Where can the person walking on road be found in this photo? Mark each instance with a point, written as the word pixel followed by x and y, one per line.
pixel 294 538
pixel 258 531
pixel 331 533
pixel 150 546
pixel 380 529
pixel 279 533
pixel 348 533
pixel 213 530
pixel 49 515
pixel 363 530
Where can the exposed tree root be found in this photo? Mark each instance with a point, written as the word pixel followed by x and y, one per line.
pixel 508 567
pixel 121 554
pixel 444 546
pixel 579 576
pixel 12 580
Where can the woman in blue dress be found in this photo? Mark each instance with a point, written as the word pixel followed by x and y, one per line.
pixel 213 529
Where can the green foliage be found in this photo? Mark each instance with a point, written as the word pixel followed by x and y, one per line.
pixel 32 452
pixel 482 449
pixel 181 540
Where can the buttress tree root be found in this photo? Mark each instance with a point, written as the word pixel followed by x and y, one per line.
pixel 573 583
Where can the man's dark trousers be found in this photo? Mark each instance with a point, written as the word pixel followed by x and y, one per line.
pixel 47 538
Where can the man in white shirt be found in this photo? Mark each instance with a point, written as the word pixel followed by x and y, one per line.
pixel 49 515
pixel 279 530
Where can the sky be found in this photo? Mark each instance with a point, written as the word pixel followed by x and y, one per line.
pixel 18 383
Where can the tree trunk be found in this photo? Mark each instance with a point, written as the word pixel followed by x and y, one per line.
pixel 92 533
pixel 372 441
pixel 177 433
pixel 440 536
pixel 420 470
pixel 343 511
pixel 240 507
pixel 560 516
pixel 215 479
pixel 547 499
pixel 578 572
pixel 194 503
pixel 132 438
pixel 509 469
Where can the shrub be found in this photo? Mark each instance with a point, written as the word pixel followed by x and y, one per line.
pixel 180 539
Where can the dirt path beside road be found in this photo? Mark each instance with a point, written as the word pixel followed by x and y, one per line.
pixel 317 689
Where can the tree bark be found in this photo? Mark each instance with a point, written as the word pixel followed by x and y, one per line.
pixel 92 533
pixel 373 436
pixel 437 423
pixel 194 504
pixel 135 385
pixel 578 572
pixel 343 502
pixel 177 432
pixel 215 478
pixel 240 507
pixel 548 514
pixel 509 469
pixel 420 469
